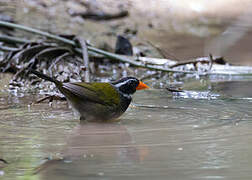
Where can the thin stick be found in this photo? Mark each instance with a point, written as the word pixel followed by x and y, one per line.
pixel 36 31
pixel 85 58
pixel 211 62
pixel 5 48
pixel 11 39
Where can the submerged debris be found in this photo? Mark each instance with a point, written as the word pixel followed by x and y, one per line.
pixel 179 93
pixel 195 95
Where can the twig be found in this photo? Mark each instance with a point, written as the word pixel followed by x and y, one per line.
pixel 11 39
pixel 218 60
pixel 83 45
pixel 48 163
pixel 173 89
pixel 185 63
pixel 51 98
pixel 36 31
pixel 211 62
pixel 5 48
pixel 59 58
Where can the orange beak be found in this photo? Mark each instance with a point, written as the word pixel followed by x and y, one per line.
pixel 141 85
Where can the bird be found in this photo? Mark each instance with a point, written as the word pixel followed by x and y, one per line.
pixel 98 101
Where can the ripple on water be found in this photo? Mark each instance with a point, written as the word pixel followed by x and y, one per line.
pixel 186 138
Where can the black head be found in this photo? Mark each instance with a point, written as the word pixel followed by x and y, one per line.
pixel 127 85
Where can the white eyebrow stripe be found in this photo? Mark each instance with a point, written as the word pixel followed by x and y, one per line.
pixel 124 82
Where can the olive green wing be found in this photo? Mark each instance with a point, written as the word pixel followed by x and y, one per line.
pixel 102 93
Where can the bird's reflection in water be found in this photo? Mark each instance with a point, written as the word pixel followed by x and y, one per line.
pixel 93 150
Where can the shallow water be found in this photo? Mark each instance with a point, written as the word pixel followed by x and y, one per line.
pixel 176 138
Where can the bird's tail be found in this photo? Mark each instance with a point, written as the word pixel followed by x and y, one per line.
pixel 45 77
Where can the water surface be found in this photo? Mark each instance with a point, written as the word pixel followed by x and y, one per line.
pixel 178 138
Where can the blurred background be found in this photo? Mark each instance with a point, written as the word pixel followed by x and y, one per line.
pixel 182 29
